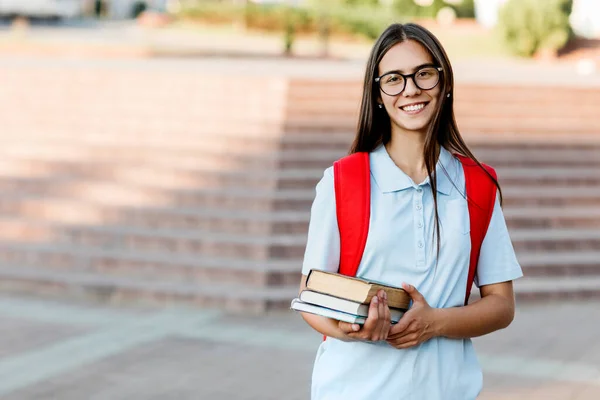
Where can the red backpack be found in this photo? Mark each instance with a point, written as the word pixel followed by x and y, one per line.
pixel 353 206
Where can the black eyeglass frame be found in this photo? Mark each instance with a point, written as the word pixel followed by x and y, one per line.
pixel 411 76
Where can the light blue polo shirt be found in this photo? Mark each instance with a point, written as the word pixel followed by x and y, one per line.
pixel 401 248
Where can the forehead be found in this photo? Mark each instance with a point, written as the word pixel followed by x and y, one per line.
pixel 404 57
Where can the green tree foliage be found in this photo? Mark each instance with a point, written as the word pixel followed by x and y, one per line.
pixel 530 26
pixel 361 2
pixel 410 8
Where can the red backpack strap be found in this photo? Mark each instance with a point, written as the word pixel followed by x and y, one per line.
pixel 352 178
pixel 481 197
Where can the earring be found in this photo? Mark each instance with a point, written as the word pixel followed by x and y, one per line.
pixel 448 95
pixel 380 105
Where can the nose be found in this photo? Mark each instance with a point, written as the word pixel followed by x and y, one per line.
pixel 411 88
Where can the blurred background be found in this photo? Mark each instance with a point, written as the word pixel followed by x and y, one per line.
pixel 158 160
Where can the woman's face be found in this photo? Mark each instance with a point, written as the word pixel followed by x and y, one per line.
pixel 413 108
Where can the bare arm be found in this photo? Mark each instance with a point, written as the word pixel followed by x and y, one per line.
pixel 326 326
pixel 494 311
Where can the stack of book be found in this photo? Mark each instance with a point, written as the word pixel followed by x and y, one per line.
pixel 346 298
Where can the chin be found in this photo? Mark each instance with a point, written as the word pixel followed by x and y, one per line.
pixel 421 127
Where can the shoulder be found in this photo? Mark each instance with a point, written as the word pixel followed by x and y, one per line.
pixel 356 165
pixel 326 182
pixel 470 165
pixel 355 160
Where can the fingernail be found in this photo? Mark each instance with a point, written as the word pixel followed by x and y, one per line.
pixel 385 295
pixel 355 327
pixel 375 299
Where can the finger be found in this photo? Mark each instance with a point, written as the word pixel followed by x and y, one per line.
pixel 348 328
pixel 396 333
pixel 387 325
pixel 381 314
pixel 403 324
pixel 409 337
pixel 372 317
pixel 414 294
pixel 405 341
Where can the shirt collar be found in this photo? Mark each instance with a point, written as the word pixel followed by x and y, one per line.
pixel 390 178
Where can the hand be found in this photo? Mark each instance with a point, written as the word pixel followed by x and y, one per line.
pixel 417 325
pixel 376 326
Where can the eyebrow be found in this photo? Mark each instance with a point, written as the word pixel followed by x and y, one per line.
pixel 418 67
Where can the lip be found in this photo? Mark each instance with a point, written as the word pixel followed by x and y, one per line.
pixel 414 103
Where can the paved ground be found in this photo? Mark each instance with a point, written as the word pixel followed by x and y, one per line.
pixel 67 351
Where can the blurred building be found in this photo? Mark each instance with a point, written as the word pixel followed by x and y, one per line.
pixel 42 8
pixel 122 9
pixel 114 9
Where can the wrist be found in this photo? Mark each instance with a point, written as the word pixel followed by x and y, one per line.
pixel 440 321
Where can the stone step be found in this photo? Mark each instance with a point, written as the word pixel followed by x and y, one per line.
pixel 499 124
pixel 193 169
pixel 192 242
pixel 301 200
pixel 318 150
pixel 469 107
pixel 545 217
pixel 542 288
pixel 156 178
pixel 256 248
pixel 549 176
pixel 146 186
pixel 169 266
pixel 77 211
pixel 539 240
pixel 121 290
pixel 150 265
pixel 252 147
pixel 464 109
pixel 560 263
pixel 563 196
pixel 347 94
pixel 233 298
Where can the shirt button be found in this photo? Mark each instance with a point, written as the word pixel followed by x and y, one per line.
pixel 420 225
pixel 419 190
pixel 418 207
pixel 420 245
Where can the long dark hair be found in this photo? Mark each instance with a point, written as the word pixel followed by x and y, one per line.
pixel 374 126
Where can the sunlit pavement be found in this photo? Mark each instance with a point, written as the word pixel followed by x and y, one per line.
pixel 60 350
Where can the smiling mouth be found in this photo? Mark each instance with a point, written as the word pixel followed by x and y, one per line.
pixel 414 108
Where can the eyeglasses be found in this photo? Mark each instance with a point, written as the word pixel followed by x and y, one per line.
pixel 394 83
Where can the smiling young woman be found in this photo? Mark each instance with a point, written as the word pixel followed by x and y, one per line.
pixel 418 237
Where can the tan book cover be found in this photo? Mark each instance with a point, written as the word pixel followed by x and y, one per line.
pixel 355 289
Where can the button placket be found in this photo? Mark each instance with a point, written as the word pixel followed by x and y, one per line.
pixel 420 232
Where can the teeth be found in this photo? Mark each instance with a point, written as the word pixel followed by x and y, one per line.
pixel 414 107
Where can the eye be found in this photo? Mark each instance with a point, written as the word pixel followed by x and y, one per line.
pixel 393 79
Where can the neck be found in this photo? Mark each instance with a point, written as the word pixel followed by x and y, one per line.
pixel 406 150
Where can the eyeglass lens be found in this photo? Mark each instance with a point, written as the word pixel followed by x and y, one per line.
pixel 425 79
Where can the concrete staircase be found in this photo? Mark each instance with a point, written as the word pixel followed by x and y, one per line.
pixel 169 186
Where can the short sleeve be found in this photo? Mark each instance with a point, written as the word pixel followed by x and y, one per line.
pixel 497 259
pixel 323 242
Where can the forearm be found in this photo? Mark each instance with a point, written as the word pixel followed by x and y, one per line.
pixel 491 313
pixel 325 326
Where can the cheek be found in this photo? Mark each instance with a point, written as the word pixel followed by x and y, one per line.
pixel 389 102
